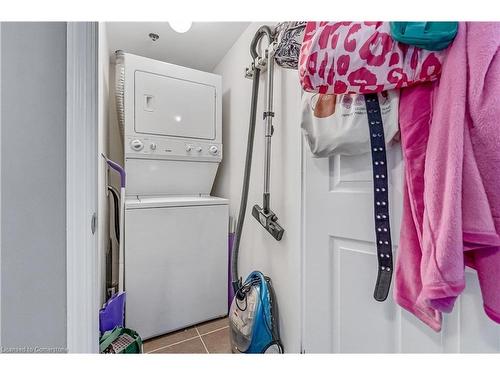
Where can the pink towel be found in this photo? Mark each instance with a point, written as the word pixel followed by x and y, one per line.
pixel 450 136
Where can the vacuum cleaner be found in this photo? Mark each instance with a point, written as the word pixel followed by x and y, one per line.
pixel 253 315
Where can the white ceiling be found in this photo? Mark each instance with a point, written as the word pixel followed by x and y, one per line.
pixel 202 47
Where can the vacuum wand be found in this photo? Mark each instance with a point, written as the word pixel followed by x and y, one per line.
pixel 268 132
pixel 264 215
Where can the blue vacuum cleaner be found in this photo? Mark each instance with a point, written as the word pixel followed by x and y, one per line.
pixel 254 319
pixel 253 315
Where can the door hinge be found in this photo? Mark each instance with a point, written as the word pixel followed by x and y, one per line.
pixel 93 223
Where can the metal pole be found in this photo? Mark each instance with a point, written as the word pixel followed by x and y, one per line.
pixel 268 132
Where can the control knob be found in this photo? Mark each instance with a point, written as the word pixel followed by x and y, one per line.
pixel 213 149
pixel 137 145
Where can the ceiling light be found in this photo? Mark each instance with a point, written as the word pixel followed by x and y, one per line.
pixel 180 26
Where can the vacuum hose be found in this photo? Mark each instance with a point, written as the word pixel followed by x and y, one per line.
pixel 263 30
pixel 236 282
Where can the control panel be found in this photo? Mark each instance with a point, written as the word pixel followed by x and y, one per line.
pixel 167 148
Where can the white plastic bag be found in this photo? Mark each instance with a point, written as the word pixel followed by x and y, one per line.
pixel 338 124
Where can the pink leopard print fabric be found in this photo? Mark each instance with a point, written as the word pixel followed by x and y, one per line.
pixel 361 58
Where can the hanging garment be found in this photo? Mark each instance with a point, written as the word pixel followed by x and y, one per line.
pixel 451 146
pixel 289 38
pixel 361 57
pixel 337 124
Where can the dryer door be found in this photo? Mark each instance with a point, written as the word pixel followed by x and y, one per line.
pixel 174 107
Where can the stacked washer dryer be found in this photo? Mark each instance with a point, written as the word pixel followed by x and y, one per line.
pixel 175 232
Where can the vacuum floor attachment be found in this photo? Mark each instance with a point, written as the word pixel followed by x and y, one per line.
pixel 269 221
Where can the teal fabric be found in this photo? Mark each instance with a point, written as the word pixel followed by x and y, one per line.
pixel 433 36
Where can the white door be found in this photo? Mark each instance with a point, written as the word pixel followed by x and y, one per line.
pixel 340 268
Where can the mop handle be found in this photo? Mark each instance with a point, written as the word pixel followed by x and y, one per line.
pixel 118 168
pixel 121 252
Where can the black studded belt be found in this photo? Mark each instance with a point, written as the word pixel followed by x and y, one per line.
pixel 381 198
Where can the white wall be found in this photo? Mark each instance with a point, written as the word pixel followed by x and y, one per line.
pixel 258 250
pixel 33 177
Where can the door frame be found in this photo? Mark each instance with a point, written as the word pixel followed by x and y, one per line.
pixel 0 190
pixel 81 187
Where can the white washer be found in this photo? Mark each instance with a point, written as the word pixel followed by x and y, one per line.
pixel 175 262
pixel 176 254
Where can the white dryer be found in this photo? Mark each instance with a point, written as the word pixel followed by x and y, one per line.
pixel 176 255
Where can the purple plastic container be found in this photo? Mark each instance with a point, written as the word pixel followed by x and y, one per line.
pixel 230 293
pixel 112 313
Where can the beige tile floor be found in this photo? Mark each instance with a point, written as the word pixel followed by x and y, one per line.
pixel 208 337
